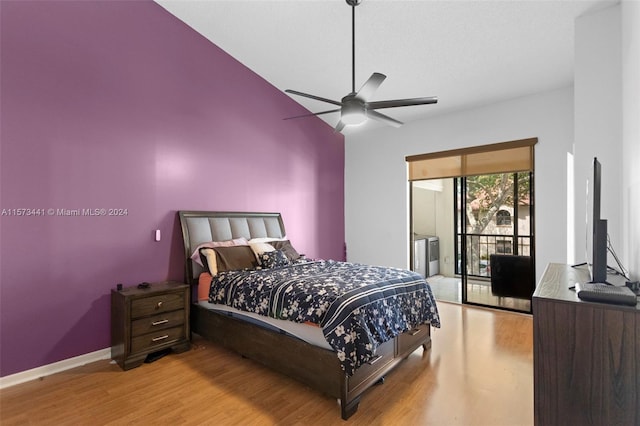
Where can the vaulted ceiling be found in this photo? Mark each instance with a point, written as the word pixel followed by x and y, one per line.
pixel 468 53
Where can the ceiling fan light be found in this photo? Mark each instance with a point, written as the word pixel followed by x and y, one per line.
pixel 352 113
pixel 353 118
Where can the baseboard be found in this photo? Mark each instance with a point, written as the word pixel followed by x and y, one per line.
pixel 56 367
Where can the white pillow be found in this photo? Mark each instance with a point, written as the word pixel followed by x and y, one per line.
pixel 212 263
pixel 265 239
pixel 259 248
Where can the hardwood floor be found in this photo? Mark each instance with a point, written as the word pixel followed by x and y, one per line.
pixel 479 371
pixel 449 289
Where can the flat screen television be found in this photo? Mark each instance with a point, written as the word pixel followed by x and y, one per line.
pixel 598 238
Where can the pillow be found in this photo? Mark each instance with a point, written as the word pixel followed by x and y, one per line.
pixel 196 256
pixel 274 259
pixel 234 258
pixel 259 248
pixel 287 248
pixel 209 261
pixel 204 285
pixel 265 240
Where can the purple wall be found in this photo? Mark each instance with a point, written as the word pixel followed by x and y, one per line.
pixel 120 105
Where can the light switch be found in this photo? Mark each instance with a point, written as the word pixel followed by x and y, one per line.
pixel 157 235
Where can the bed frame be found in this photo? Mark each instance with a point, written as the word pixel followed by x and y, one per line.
pixel 316 367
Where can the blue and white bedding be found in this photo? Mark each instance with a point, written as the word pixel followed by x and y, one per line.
pixel 357 306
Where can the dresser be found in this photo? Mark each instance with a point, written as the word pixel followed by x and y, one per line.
pixel 149 320
pixel 586 355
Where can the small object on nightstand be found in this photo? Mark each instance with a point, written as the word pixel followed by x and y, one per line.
pixel 144 285
pixel 119 287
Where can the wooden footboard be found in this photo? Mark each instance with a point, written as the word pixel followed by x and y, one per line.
pixel 316 367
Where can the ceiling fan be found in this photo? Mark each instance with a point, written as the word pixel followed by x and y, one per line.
pixel 356 107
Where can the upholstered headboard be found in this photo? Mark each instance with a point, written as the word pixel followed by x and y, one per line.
pixel 202 226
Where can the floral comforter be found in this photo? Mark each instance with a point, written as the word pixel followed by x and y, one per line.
pixel 357 306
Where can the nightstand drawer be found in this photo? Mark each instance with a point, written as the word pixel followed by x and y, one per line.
pixel 159 338
pixel 157 322
pixel 156 304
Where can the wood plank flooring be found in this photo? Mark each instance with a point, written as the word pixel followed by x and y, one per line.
pixel 449 289
pixel 479 371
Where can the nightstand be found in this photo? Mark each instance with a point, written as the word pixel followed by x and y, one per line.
pixel 149 320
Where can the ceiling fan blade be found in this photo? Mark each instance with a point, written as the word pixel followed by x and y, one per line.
pixel 312 114
pixel 339 127
pixel 370 86
pixel 383 118
pixel 402 102
pixel 317 98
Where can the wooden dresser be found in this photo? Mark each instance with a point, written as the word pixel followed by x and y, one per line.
pixel 149 320
pixel 586 355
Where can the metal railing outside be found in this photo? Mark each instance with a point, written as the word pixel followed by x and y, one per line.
pixel 481 246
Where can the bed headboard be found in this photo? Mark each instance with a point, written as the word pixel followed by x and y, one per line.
pixel 202 226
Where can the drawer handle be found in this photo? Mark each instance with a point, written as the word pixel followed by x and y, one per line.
pixel 374 360
pixel 164 321
pixel 157 339
pixel 414 332
pixel 159 305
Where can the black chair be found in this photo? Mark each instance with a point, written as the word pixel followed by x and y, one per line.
pixel 512 276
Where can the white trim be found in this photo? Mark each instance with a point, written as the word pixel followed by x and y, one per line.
pixel 56 367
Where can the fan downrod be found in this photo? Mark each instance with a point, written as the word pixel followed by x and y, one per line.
pixel 354 2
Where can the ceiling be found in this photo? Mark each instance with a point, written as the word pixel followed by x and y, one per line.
pixel 468 53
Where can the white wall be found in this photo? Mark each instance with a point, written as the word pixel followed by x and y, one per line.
pixel 433 215
pixel 376 204
pixel 631 136
pixel 425 209
pixel 607 108
pixel 606 113
pixel 598 120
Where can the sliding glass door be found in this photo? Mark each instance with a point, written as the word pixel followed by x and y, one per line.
pixel 494 230
pixel 489 246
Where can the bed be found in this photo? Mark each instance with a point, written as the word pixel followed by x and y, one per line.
pixel 323 343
